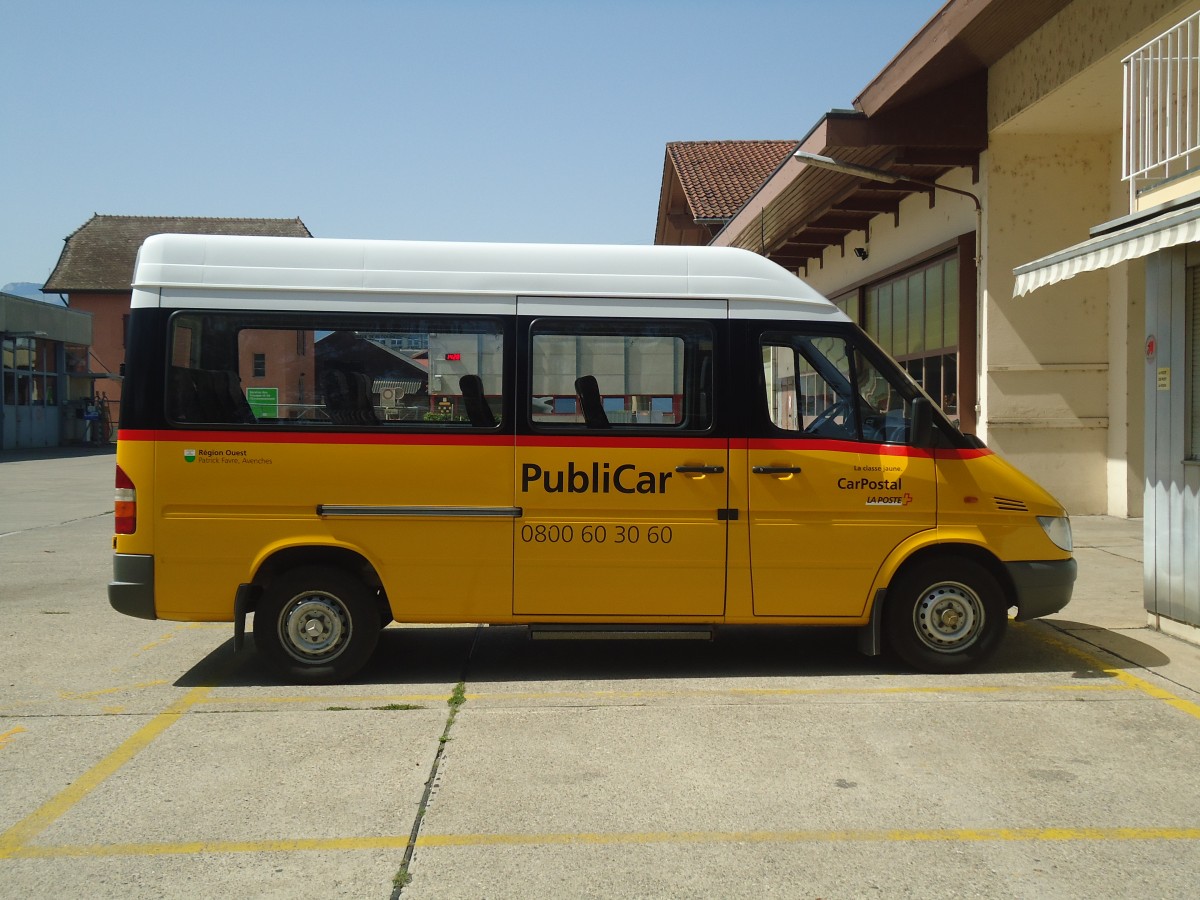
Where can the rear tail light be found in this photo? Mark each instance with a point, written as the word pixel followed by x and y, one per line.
pixel 125 505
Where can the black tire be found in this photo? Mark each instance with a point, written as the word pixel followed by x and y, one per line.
pixel 945 615
pixel 317 625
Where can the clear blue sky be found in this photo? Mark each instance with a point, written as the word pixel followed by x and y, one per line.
pixel 446 120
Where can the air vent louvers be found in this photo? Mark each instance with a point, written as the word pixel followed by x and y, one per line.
pixel 1005 504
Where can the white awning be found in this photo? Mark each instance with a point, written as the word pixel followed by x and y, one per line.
pixel 1147 235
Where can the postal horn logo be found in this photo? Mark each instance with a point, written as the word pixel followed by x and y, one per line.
pixel 189 455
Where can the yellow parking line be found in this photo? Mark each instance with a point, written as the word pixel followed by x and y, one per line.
pixel 793 836
pixel 174 632
pixel 1133 681
pixel 87 695
pixel 802 692
pixel 11 733
pixel 895 835
pixel 39 820
pixel 385 842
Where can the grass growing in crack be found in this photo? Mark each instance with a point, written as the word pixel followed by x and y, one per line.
pixel 391 707
pixel 402 878
pixel 457 698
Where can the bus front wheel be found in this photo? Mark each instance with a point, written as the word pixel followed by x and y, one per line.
pixel 945 615
pixel 317 625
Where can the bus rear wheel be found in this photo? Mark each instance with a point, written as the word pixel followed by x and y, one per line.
pixel 945 615
pixel 317 625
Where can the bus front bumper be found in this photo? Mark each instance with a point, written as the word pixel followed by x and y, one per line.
pixel 132 589
pixel 1042 587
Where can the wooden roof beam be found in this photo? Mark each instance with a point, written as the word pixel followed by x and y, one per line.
pixel 875 205
pixel 868 204
pixel 843 220
pixel 823 235
pixel 794 260
pixel 936 157
pixel 794 248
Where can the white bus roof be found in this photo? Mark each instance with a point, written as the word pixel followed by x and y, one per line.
pixel 210 268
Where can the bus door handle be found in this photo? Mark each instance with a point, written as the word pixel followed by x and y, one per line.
pixel 699 470
pixel 776 470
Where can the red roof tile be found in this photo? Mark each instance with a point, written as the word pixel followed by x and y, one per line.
pixel 718 177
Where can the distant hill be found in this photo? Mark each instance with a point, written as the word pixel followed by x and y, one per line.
pixel 30 291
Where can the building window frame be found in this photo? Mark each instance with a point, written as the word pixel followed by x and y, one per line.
pixel 853 301
pixel 29 371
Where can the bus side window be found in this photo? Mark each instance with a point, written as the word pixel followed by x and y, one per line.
pixel 183 400
pixel 348 398
pixel 784 403
pixel 326 370
pixel 822 386
pixel 620 375
pixel 211 396
pixel 588 391
pixel 479 413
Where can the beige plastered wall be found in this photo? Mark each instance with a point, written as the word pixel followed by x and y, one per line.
pixel 1047 357
pixel 1086 34
pixel 1065 365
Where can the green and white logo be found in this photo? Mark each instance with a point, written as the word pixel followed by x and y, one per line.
pixel 189 455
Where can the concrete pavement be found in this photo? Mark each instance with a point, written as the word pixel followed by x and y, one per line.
pixel 1106 609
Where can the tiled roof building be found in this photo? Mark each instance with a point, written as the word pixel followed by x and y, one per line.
pixel 100 254
pixel 706 182
pixel 95 270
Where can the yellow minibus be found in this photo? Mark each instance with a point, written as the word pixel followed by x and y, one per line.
pixel 332 435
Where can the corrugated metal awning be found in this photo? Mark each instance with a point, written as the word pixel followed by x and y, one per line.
pixel 406 388
pixel 1115 243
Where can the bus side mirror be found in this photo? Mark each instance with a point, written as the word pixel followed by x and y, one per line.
pixel 922 423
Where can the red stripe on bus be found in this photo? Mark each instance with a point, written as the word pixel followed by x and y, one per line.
pixel 425 439
pixel 275 437
pixel 809 445
pixel 565 441
pixel 833 446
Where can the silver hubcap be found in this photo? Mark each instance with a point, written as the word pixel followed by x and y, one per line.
pixel 314 626
pixel 949 617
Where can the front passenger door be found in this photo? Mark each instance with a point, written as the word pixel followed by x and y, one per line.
pixel 834 484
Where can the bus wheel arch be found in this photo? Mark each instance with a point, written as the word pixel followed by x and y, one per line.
pixel 354 564
pixel 318 612
pixel 946 608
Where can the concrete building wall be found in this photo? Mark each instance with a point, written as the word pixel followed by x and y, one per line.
pixel 1077 39
pixel 109 313
pixel 1053 172
pixel 1045 390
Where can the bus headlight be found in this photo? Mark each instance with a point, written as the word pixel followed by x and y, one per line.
pixel 1058 529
